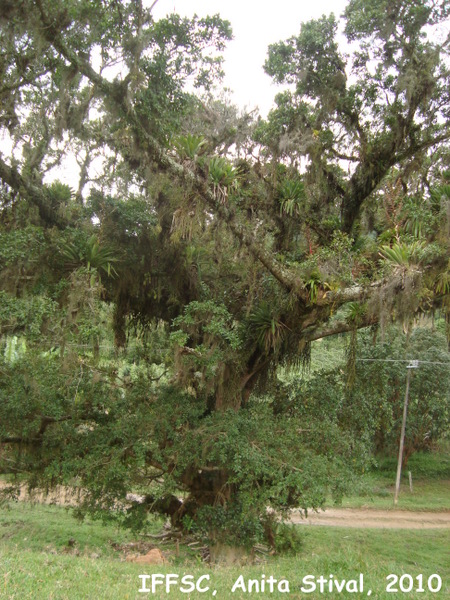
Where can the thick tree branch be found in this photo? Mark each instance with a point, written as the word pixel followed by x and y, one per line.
pixel 15 440
pixel 37 439
pixel 52 34
pixel 339 327
pixel 355 293
pixel 46 421
pixel 31 192
pixel 370 173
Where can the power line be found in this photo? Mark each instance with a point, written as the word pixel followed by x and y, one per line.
pixel 404 360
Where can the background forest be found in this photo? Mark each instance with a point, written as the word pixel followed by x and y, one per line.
pixel 160 320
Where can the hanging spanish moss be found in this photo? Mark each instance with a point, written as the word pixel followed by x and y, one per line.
pixel 351 353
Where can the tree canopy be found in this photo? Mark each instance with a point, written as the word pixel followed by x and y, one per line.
pixel 215 245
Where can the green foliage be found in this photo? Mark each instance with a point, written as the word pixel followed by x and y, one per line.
pixel 420 221
pixel 110 428
pixel 262 468
pixel 367 19
pixel 178 50
pixel 235 525
pixel 371 411
pixel 266 328
pixel 288 539
pixel 91 255
pixel 315 53
pixel 403 255
pixel 312 284
pixel 32 315
pixel 440 196
pixel 331 263
pixel 355 312
pixel 120 218
pixel 292 196
pixel 204 319
pixel 322 115
pixel 20 245
pixel 425 465
pixel 224 177
pixel 443 282
pixel 246 236
pixel 190 146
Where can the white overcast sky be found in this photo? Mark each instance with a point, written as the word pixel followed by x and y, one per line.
pixel 256 24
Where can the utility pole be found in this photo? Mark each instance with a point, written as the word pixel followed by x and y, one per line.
pixel 412 365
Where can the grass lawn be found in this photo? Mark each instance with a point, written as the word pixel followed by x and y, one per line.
pixel 36 561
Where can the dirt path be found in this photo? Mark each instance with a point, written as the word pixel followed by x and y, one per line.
pixel 376 519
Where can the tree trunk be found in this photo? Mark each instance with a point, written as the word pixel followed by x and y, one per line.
pixel 225 555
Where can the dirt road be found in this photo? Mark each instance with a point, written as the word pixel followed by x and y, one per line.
pixel 375 519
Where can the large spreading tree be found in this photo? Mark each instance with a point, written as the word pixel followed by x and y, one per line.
pixel 216 246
